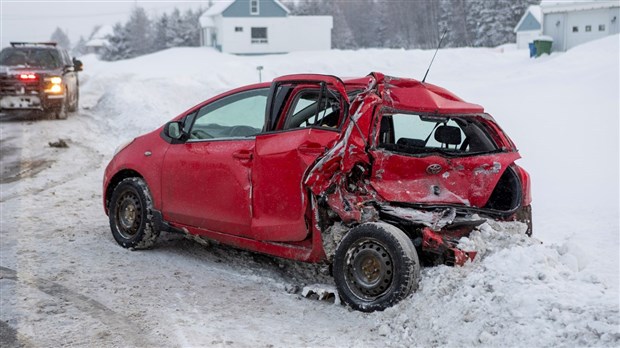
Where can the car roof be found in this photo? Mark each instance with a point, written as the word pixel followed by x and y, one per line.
pixel 400 94
pixel 407 94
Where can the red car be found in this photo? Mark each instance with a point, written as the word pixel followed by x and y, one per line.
pixel 371 175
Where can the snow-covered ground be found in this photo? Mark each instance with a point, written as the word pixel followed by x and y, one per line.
pixel 64 281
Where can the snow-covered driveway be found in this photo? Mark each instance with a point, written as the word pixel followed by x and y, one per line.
pixel 64 281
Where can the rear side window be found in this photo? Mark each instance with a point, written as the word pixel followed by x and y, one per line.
pixel 314 108
pixel 418 134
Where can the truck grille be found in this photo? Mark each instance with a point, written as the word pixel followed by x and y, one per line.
pixel 11 85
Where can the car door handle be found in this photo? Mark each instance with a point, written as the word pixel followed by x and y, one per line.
pixel 311 148
pixel 243 155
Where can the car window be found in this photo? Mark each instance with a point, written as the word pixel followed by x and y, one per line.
pixel 66 59
pixel 31 57
pixel 238 115
pixel 424 134
pixel 306 112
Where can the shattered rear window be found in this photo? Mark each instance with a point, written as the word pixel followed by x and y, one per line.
pixel 418 134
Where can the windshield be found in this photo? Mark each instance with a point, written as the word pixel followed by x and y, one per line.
pixel 419 134
pixel 30 57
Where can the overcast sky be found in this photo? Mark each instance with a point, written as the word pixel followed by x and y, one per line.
pixel 24 20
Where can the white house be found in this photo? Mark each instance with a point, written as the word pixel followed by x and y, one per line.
pixel 262 27
pixel 99 39
pixel 571 23
pixel 529 27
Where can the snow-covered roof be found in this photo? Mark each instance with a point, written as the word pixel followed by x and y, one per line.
pixel 554 6
pixel 535 10
pixel 219 6
pixel 103 32
pixel 206 21
pixel 97 43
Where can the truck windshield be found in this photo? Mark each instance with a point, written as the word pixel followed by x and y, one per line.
pixel 30 57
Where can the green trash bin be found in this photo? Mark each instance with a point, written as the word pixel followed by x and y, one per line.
pixel 543 45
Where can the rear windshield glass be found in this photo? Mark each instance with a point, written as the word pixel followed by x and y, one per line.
pixel 418 134
pixel 30 57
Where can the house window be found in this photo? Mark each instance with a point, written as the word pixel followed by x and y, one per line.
pixel 238 29
pixel 259 35
pixel 254 7
pixel 575 29
pixel 588 28
pixel 601 27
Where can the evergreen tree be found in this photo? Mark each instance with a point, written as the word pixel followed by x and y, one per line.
pixel 342 36
pixel 139 32
pixel 61 38
pixel 161 37
pixel 118 45
pixel 79 48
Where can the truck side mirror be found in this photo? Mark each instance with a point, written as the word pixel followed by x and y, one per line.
pixel 77 64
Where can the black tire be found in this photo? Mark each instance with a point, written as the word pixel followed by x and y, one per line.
pixel 61 113
pixel 76 101
pixel 131 215
pixel 375 267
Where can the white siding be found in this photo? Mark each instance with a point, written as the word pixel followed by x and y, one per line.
pixel 581 20
pixel 286 34
pixel 560 26
pixel 525 37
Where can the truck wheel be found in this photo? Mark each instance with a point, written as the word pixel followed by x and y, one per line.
pixel 375 267
pixel 61 112
pixel 131 214
pixel 75 103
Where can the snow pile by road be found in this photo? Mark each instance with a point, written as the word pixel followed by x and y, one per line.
pixel 66 282
pixel 519 293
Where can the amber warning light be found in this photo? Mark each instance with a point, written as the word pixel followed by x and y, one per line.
pixel 28 76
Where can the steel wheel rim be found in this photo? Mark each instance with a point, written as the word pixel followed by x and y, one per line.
pixel 128 214
pixel 369 269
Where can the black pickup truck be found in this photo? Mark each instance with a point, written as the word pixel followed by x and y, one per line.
pixel 38 76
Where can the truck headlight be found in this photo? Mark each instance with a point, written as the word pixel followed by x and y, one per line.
pixel 54 84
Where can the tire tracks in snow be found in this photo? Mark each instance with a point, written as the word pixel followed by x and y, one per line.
pixel 93 161
pixel 114 321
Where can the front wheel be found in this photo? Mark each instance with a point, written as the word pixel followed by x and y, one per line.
pixel 375 267
pixel 131 215
pixel 61 112
pixel 75 102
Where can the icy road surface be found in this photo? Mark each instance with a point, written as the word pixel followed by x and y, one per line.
pixel 65 282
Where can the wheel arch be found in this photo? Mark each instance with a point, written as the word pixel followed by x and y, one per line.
pixel 115 180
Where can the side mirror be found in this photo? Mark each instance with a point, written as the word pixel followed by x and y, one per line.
pixel 77 64
pixel 174 130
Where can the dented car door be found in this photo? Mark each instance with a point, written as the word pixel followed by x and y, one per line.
pixel 304 119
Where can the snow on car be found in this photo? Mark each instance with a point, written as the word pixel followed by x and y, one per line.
pixel 374 176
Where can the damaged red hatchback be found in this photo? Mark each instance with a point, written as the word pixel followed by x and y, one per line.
pixel 373 176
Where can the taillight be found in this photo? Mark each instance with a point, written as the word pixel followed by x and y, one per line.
pixel 28 76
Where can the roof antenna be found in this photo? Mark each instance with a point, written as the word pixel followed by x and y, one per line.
pixel 432 60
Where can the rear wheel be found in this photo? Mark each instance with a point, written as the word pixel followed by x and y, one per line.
pixel 131 215
pixel 375 267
